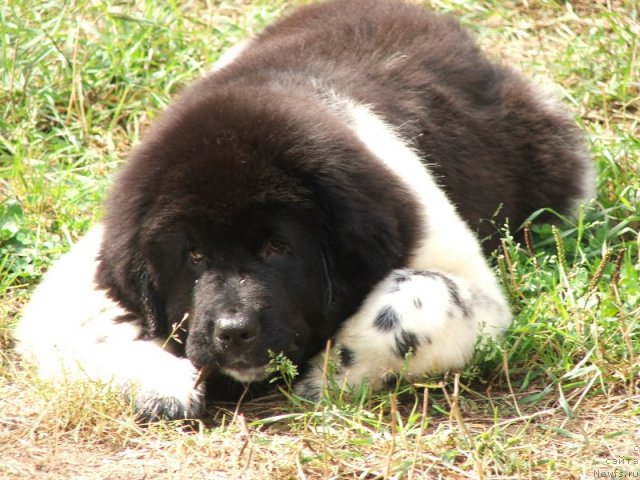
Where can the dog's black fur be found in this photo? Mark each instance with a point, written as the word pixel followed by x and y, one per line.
pixel 252 208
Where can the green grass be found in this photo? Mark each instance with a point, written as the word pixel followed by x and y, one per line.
pixel 79 83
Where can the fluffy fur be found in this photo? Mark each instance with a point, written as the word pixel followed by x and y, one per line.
pixel 340 175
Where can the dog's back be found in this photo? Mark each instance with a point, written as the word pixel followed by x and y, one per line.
pixel 501 147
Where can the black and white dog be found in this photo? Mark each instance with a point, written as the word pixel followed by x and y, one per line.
pixel 330 179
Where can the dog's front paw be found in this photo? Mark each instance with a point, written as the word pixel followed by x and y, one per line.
pixel 413 323
pixel 165 388
pixel 322 374
pixel 152 406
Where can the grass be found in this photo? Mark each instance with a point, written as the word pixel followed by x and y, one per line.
pixel 80 81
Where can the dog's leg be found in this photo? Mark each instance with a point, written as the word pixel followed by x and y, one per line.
pixel 440 306
pixel 414 323
pixel 73 331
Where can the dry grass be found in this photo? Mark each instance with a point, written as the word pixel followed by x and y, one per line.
pixel 560 399
pixel 77 432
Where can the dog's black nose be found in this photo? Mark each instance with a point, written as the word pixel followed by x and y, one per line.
pixel 235 331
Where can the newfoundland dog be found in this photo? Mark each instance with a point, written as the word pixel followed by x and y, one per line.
pixel 342 176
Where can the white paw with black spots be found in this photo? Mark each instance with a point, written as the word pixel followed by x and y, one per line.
pixel 413 323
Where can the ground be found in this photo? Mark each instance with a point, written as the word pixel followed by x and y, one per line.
pixel 558 398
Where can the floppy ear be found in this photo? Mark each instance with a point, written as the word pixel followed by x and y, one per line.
pixel 122 271
pixel 155 321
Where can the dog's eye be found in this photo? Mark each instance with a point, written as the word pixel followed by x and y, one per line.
pixel 196 256
pixel 273 248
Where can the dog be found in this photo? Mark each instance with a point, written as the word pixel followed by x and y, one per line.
pixel 343 175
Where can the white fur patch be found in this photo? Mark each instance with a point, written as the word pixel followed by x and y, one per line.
pixel 69 332
pixel 230 55
pixel 255 374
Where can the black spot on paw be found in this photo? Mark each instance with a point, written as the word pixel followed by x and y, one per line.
pixel 387 319
pixel 389 381
pixel 395 288
pixel 400 276
pixel 347 356
pixel 405 342
pixel 452 288
pixel 426 273
pixel 454 293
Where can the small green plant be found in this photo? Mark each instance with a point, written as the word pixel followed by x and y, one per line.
pixel 282 370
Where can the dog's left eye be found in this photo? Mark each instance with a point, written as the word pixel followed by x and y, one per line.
pixel 197 256
pixel 274 248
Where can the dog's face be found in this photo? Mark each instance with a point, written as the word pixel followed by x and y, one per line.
pixel 250 287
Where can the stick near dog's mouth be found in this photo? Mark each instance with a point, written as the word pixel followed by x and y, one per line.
pixel 203 373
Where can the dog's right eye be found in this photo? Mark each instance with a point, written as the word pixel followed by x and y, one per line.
pixel 196 256
pixel 273 249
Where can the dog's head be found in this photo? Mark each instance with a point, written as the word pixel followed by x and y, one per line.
pixel 258 223
pixel 254 285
